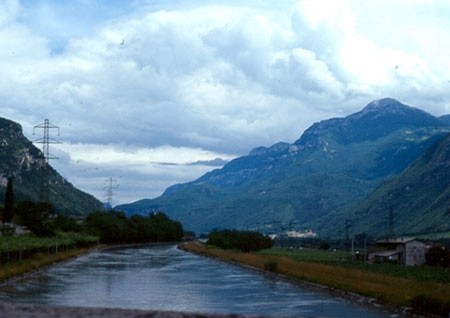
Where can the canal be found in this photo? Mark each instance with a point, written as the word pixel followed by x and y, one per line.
pixel 161 277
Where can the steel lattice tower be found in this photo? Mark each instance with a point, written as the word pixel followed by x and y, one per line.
pixel 110 185
pixel 44 195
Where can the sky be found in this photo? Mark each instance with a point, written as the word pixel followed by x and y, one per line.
pixel 152 93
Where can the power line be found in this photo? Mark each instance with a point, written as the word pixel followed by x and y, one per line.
pixel 45 157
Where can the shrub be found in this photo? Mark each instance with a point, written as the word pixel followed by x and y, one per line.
pixel 424 304
pixel 438 256
pixel 271 266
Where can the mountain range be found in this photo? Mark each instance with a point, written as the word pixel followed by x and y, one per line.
pixel 353 168
pixel 21 160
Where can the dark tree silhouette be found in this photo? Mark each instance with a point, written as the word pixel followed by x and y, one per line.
pixel 8 210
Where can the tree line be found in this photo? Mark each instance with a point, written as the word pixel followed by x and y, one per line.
pixel 245 241
pixel 109 226
pixel 115 227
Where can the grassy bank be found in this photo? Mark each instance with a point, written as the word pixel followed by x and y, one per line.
pixel 22 254
pixel 424 296
pixel 38 261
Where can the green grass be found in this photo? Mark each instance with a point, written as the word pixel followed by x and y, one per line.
pixel 24 253
pixel 31 242
pixel 14 249
pixel 434 236
pixel 343 259
pixel 37 261
pixel 310 255
pixel 429 295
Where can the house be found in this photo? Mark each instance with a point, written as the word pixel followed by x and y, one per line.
pixel 404 251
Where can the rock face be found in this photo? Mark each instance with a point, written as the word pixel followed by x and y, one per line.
pixel 22 161
pixel 312 182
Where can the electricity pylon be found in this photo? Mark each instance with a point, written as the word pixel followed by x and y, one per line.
pixel 110 185
pixel 46 156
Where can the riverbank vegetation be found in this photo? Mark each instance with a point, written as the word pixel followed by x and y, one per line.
pixel 31 236
pixel 245 241
pixel 20 247
pixel 386 285
pixel 38 261
pixel 115 227
pixel 63 233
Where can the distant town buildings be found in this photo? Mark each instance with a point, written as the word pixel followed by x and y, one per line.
pixel 295 234
pixel 305 234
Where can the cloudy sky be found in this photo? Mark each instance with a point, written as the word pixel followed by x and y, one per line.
pixel 158 92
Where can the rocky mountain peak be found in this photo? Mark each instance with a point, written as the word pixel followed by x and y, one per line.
pixel 378 118
pixel 10 128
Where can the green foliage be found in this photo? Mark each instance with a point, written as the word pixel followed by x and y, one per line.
pixel 438 256
pixel 420 192
pixel 317 187
pixel 7 230
pixel 244 241
pixel 271 266
pixel 64 223
pixel 16 159
pixel 16 248
pixel 8 207
pixel 35 216
pixel 425 304
pixel 115 227
pixel 342 258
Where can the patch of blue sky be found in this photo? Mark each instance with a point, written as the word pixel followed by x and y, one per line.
pixel 60 21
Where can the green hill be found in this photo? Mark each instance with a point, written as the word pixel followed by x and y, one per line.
pixel 418 198
pixel 312 183
pixel 20 159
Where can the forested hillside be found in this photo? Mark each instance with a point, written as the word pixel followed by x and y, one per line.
pixel 311 183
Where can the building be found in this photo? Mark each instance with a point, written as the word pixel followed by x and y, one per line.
pixel 403 251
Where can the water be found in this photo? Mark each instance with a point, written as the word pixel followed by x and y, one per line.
pixel 163 277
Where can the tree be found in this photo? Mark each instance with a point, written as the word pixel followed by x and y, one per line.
pixel 8 210
pixel 115 227
pixel 245 241
pixel 438 256
pixel 35 217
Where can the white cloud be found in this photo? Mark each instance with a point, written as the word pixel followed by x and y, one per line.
pixel 135 83
pixel 89 165
pixel 118 154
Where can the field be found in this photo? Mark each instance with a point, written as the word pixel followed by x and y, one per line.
pixel 386 284
pixel 36 262
pixel 25 253
pixel 342 259
pixel 17 248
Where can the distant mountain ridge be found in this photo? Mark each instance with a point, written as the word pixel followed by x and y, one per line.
pixel 21 160
pixel 309 183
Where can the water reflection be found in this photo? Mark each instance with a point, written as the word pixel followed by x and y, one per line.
pixel 163 277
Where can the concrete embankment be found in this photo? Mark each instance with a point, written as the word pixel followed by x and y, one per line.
pixel 20 310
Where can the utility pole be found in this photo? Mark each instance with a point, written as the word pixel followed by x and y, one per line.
pixel 391 224
pixel 347 226
pixel 44 195
pixel 110 185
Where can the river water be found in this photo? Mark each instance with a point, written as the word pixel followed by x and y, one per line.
pixel 161 277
